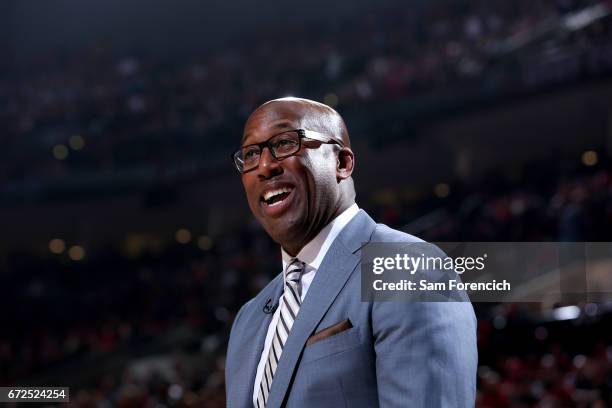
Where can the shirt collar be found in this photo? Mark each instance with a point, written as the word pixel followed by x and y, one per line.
pixel 312 253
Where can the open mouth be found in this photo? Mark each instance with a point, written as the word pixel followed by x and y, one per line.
pixel 272 198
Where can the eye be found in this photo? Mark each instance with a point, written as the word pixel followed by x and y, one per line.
pixel 250 154
pixel 284 145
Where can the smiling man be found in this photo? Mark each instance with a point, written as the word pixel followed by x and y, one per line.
pixel 307 339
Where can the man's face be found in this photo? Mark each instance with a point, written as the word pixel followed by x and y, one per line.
pixel 303 188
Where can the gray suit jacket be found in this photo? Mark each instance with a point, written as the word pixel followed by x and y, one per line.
pixel 397 354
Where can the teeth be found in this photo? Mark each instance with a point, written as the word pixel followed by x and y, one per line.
pixel 272 193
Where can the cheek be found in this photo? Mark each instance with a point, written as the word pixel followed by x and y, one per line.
pixel 321 170
pixel 306 173
pixel 319 177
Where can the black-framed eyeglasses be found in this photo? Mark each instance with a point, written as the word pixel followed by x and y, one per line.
pixel 281 145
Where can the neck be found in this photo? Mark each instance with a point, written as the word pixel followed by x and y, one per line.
pixel 294 248
pixel 293 251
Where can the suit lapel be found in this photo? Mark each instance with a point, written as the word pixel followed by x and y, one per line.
pixel 254 335
pixel 337 266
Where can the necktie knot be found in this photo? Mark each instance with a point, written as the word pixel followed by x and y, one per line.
pixel 293 276
pixel 293 272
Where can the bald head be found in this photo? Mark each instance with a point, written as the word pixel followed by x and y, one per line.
pixel 307 114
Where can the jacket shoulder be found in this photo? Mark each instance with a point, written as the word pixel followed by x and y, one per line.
pixel 384 233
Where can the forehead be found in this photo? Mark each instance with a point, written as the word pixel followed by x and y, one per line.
pixel 271 119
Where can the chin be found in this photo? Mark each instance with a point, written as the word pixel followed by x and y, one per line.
pixel 287 233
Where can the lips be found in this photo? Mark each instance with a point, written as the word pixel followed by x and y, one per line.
pixel 271 197
pixel 276 198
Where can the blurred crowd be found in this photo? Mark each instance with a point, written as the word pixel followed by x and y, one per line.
pixel 542 205
pixel 528 359
pixel 89 113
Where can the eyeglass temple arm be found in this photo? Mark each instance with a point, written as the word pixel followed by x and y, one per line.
pixel 311 134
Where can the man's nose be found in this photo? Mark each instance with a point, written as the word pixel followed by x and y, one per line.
pixel 269 166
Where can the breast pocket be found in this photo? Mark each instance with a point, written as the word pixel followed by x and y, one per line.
pixel 338 343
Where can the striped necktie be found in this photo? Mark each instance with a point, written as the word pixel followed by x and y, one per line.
pixel 289 309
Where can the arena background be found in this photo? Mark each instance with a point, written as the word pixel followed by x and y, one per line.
pixel 126 244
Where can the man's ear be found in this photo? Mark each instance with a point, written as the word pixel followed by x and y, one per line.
pixel 345 163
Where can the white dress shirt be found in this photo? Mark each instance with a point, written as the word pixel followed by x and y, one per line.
pixel 312 255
